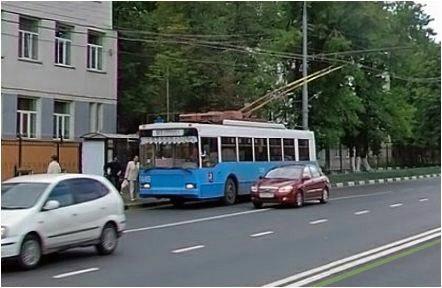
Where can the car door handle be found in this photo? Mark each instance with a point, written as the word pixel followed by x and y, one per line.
pixel 103 208
pixel 74 214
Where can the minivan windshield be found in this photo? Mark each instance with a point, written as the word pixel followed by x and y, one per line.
pixel 289 172
pixel 21 195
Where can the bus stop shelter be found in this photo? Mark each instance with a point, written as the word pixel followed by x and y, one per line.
pixel 99 148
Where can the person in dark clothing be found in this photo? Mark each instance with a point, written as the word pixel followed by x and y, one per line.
pixel 112 171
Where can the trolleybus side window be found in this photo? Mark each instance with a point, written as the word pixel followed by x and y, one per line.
pixel 303 148
pixel 289 149
pixel 261 149
pixel 275 149
pixel 245 149
pixel 209 147
pixel 228 149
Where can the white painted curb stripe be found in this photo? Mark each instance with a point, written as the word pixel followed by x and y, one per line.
pixel 413 177
pixel 423 199
pixel 362 182
pixel 398 179
pixel 381 181
pixel 396 205
pixel 351 183
pixel 347 259
pixel 195 220
pixel 406 178
pixel 318 221
pixel 188 249
pixel 371 181
pixel 362 261
pixel 339 185
pixel 75 273
pixel 362 212
pixel 389 180
pixel 262 234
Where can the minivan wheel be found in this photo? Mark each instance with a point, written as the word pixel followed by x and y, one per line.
pixel 229 192
pixel 108 240
pixel 257 205
pixel 299 200
pixel 30 252
pixel 324 198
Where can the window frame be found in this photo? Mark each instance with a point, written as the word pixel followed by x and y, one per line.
pixel 94 53
pixel 235 149
pixel 278 140
pixel 65 118
pixel 32 38
pixel 266 148
pixel 244 145
pixel 30 114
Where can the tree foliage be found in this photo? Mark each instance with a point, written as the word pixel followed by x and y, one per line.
pixel 221 55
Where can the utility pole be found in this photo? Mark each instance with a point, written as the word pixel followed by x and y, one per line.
pixel 304 69
pixel 167 94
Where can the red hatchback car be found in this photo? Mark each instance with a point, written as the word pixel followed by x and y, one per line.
pixel 291 184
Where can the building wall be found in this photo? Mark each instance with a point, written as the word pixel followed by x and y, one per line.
pixel 46 82
pixel 36 156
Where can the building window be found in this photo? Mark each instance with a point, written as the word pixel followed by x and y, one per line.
pixel 62 44
pixel 96 116
pixel 62 120
pixel 94 51
pixel 27 117
pixel 28 39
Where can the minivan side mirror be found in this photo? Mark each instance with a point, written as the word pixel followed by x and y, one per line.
pixel 261 177
pixel 51 205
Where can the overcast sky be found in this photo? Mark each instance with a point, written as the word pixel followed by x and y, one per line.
pixel 434 9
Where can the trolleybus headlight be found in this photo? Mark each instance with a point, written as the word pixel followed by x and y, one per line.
pixel 146 185
pixel 190 186
pixel 254 188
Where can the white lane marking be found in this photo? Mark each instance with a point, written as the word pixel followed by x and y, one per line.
pixel 396 205
pixel 196 220
pixel 262 234
pixel 75 273
pixel 423 199
pixel 359 196
pixel 318 221
pixel 347 259
pixel 181 250
pixel 362 261
pixel 362 212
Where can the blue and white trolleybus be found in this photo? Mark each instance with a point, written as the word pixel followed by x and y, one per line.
pixel 193 161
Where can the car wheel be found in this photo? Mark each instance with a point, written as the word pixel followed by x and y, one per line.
pixel 30 252
pixel 324 198
pixel 108 240
pixel 299 199
pixel 257 205
pixel 229 192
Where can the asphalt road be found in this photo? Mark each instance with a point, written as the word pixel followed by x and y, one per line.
pixel 206 244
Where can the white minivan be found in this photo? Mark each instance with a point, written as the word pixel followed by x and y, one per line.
pixel 45 213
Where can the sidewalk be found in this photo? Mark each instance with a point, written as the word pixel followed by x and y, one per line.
pixel 143 202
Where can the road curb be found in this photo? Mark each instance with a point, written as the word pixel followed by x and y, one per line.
pixel 382 180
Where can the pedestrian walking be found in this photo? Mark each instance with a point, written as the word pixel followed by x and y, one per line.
pixel 131 176
pixel 112 171
pixel 54 167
